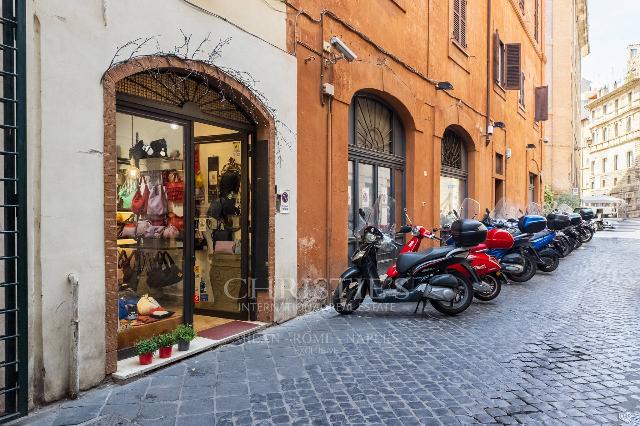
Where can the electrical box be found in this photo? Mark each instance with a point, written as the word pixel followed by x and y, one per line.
pixel 326 46
pixel 328 89
pixel 508 153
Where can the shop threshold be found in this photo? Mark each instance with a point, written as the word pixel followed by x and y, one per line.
pixel 130 367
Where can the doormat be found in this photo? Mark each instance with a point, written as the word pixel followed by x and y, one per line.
pixel 227 330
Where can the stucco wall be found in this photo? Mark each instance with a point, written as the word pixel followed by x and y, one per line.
pixel 71 45
pixel 400 46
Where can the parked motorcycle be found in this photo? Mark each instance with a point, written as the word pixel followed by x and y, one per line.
pixel 487 267
pixel 421 277
pixel 544 242
pixel 520 261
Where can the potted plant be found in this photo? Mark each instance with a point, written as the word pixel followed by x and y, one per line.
pixel 145 349
pixel 184 334
pixel 165 344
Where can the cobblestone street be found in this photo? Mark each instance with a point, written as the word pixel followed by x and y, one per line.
pixel 563 348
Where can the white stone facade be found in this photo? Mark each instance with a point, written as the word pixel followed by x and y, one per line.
pixel 612 146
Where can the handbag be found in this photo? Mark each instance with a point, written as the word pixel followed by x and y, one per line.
pixel 129 273
pixel 175 187
pixel 215 209
pixel 140 199
pixel 157 204
pixel 159 147
pixel 154 231
pixel 141 227
pixel 170 232
pixel 128 229
pixel 176 221
pixel 147 305
pixel 126 193
pixel 163 271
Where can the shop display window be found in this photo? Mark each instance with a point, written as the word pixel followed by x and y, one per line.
pixel 150 210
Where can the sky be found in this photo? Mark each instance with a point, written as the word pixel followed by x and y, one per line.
pixel 613 24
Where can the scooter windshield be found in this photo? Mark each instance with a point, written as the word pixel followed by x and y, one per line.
pixel 469 209
pixel 381 215
pixel 534 208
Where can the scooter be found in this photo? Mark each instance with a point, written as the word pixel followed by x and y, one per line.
pixel 487 268
pixel 423 276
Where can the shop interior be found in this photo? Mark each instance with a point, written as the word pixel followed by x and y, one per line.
pixel 151 180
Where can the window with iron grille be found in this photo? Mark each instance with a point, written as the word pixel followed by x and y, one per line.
pixel 522 6
pixel 460 22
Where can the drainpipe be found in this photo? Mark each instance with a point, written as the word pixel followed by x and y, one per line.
pixel 74 378
pixel 329 195
pixel 489 44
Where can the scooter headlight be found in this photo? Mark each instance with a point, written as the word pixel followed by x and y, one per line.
pixel 370 237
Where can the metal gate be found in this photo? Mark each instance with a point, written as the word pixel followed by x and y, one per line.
pixel 13 214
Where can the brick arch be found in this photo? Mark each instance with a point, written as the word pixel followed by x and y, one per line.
pixel 265 131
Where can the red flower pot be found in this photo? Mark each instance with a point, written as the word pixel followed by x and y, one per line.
pixel 165 352
pixel 146 359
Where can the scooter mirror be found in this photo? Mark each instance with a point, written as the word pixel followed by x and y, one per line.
pixel 404 229
pixel 361 213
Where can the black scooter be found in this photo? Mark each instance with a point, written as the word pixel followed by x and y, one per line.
pixel 424 276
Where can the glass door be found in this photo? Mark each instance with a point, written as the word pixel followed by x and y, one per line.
pixel 220 225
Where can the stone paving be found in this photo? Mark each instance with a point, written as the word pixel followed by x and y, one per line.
pixel 563 348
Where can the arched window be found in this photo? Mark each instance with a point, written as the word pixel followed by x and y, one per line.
pixel 376 158
pixel 453 174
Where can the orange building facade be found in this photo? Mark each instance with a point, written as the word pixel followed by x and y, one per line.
pixel 380 125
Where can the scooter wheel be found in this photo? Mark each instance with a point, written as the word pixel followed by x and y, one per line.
pixel 549 263
pixel 528 273
pixel 344 298
pixel 495 283
pixel 462 301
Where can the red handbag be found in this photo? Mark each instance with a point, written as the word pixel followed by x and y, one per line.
pixel 140 199
pixel 176 221
pixel 175 187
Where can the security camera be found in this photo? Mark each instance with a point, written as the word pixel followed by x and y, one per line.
pixel 343 48
pixel 490 129
pixel 545 140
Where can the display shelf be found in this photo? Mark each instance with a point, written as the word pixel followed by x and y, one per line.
pixel 150 244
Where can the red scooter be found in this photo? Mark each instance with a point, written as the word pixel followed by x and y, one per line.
pixel 487 267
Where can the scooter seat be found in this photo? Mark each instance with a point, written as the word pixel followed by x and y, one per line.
pixel 407 261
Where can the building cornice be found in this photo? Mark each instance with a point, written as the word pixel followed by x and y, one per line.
pixel 614 93
pixel 582 17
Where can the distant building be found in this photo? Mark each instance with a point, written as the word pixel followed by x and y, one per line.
pixel 566 43
pixel 612 147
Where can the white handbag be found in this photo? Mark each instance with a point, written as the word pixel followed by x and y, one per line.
pixel 146 305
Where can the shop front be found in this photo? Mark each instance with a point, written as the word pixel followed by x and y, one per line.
pixel 191 207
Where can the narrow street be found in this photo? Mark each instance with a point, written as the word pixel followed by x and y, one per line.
pixel 561 349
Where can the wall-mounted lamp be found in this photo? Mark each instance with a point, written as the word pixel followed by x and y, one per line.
pixel 531 146
pixel 444 85
pixel 499 125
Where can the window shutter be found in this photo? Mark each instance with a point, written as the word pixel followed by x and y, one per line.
pixel 463 23
pixel 542 103
pixel 496 57
pixel 456 20
pixel 513 68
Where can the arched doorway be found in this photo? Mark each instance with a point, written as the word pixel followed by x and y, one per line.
pixel 454 173
pixel 376 165
pixel 184 151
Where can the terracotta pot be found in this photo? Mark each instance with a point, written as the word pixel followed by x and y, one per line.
pixel 165 352
pixel 146 359
pixel 183 345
